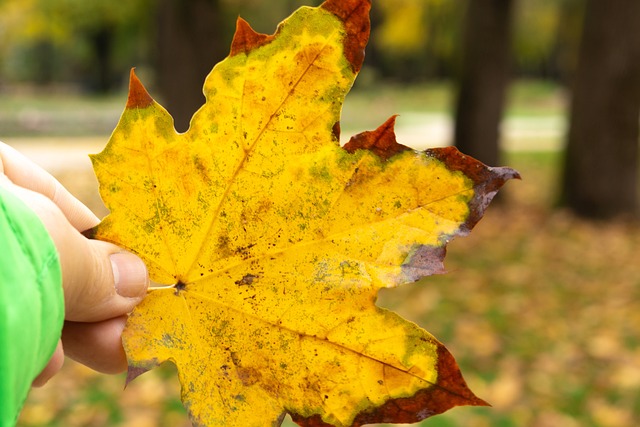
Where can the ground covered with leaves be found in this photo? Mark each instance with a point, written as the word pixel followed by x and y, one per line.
pixel 541 309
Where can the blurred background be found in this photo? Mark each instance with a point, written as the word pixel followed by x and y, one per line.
pixel 541 305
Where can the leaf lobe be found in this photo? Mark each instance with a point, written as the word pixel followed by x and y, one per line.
pixel 246 38
pixel 355 15
pixel 381 141
pixel 138 95
pixel 487 180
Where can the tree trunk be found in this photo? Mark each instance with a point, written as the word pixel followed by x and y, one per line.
pixel 102 41
pixel 190 42
pixel 601 163
pixel 484 78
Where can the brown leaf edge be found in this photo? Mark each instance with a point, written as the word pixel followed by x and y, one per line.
pixel 487 181
pixel 450 391
pixel 246 38
pixel 428 260
pixel 381 141
pixel 353 13
pixel 134 372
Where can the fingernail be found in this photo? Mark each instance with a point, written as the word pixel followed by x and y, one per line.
pixel 129 274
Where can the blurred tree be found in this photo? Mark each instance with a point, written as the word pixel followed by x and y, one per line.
pixel 483 78
pixel 95 42
pixel 546 37
pixel 105 26
pixel 194 35
pixel 562 60
pixel 87 33
pixel 536 24
pixel 29 39
pixel 415 39
pixel 601 164
pixel 190 41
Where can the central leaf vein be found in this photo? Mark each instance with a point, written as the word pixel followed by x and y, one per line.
pixel 245 156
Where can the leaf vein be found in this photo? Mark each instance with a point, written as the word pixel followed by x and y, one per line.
pixel 242 162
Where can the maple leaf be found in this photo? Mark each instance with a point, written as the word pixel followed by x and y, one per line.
pixel 276 240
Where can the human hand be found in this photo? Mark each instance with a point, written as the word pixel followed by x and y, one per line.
pixel 102 282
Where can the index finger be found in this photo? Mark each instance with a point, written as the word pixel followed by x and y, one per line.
pixel 24 173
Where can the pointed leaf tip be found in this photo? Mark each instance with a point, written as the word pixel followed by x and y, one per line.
pixel 381 141
pixel 355 15
pixel 138 95
pixel 134 372
pixel 487 180
pixel 449 391
pixel 246 38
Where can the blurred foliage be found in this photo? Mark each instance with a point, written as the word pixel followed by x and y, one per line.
pixel 414 39
pixel 47 41
pixel 79 42
pixel 425 35
pixel 546 36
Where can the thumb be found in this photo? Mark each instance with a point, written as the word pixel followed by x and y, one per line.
pixel 100 280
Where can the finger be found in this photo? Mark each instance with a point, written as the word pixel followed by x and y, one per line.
pixel 52 368
pixel 96 345
pixel 23 172
pixel 100 280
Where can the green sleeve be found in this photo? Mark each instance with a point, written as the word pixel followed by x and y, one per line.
pixel 31 302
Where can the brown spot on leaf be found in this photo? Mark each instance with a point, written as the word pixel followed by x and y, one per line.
pixel 355 15
pixel 246 280
pixel 138 95
pixel 223 245
pixel 246 38
pixel 381 141
pixel 244 251
pixel 248 376
pixel 200 167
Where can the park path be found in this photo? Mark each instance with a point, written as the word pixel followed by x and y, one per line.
pixel 59 154
pixel 418 130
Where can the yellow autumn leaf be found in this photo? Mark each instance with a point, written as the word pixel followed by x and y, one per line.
pixel 276 240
